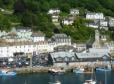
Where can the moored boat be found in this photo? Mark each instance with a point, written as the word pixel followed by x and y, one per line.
pixel 78 70
pixel 57 82
pixel 102 69
pixel 7 73
pixel 82 71
pixel 56 71
pixel 91 81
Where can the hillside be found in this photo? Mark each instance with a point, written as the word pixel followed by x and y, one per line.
pixel 33 13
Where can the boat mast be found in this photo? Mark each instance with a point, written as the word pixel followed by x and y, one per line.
pixel 92 74
pixel 105 77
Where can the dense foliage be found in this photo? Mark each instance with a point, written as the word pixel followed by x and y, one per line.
pixel 33 13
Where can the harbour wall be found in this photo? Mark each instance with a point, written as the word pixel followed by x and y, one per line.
pixel 67 68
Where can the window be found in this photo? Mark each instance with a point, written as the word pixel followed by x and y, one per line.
pixel 59 59
pixel 66 59
pixel 72 58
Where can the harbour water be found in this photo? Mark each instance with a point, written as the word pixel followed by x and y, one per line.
pixel 69 78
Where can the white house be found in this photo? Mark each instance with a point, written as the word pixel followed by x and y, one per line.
pixel 110 46
pixel 67 21
pixel 103 24
pixel 3 33
pixel 103 37
pixel 111 22
pixel 74 11
pixel 93 24
pixel 54 11
pixel 55 17
pixel 38 36
pixel 24 33
pixel 94 16
pixel 80 47
pixel 61 39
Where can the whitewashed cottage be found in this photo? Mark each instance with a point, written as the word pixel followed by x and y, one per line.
pixel 74 11
pixel 38 36
pixel 94 16
pixel 55 18
pixel 54 11
pixel 111 22
pixel 67 21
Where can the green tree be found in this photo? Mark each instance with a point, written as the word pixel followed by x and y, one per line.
pixel 53 4
pixel 65 7
pixel 32 6
pixel 19 6
pixel 4 24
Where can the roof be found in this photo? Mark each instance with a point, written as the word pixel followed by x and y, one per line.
pixel 91 55
pixel 62 54
pixel 98 50
pixel 94 13
pixel 21 29
pixel 4 43
pixel 60 36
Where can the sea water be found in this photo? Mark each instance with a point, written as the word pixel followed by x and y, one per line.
pixel 68 78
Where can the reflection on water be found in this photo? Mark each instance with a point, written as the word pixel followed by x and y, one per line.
pixel 54 79
pixel 80 77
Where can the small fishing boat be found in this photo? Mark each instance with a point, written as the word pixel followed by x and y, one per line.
pixel 7 73
pixel 78 70
pixel 57 82
pixel 102 69
pixel 91 81
pixel 56 71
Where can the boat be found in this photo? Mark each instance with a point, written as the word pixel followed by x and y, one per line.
pixel 7 73
pixel 78 70
pixel 57 82
pixel 91 81
pixel 102 69
pixel 82 70
pixel 56 71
